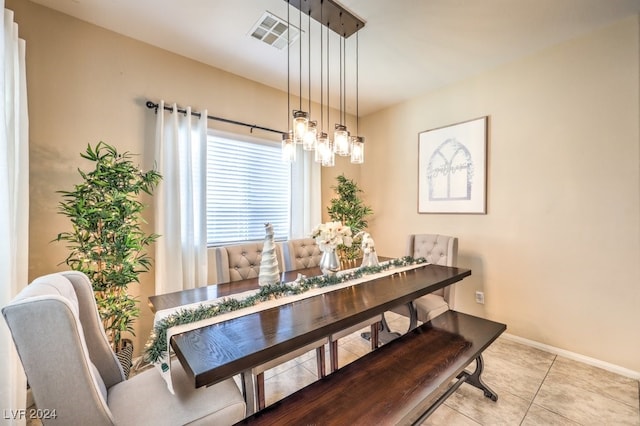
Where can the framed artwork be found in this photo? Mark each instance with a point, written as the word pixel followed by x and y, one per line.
pixel 452 169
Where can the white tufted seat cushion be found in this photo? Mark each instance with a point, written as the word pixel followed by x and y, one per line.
pixel 301 253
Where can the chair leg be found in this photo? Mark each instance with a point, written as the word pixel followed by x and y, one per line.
pixel 249 387
pixel 375 333
pixel 333 355
pixel 320 362
pixel 260 391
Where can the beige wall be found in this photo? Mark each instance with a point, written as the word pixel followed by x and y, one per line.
pixel 87 84
pixel 558 254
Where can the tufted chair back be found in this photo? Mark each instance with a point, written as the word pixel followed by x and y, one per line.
pixel 240 261
pixel 62 346
pixel 439 250
pixel 300 254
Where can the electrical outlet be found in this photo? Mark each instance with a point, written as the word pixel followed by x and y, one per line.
pixel 480 297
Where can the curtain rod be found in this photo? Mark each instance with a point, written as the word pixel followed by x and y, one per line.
pixel 152 105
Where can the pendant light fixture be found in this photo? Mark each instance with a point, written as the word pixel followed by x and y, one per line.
pixel 310 138
pixel 357 142
pixel 328 154
pixel 288 144
pixel 300 117
pixel 341 134
pixel 313 135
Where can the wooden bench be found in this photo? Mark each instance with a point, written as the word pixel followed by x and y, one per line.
pixel 401 382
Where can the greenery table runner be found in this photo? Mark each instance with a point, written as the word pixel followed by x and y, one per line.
pixel 190 317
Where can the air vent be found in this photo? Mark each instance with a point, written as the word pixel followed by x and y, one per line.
pixel 273 31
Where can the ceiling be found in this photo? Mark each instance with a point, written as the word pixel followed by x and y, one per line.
pixel 407 47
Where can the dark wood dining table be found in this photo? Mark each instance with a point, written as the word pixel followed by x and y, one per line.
pixel 220 351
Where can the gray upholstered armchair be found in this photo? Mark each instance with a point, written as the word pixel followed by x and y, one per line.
pixel 439 250
pixel 72 369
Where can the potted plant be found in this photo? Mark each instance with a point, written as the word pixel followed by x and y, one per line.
pixel 349 209
pixel 107 241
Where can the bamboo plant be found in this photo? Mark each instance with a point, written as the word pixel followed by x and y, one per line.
pixel 349 209
pixel 107 241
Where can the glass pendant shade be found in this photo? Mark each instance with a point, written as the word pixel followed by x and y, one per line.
pixel 357 149
pixel 328 155
pixel 322 144
pixel 288 148
pixel 341 140
pixel 300 124
pixel 309 139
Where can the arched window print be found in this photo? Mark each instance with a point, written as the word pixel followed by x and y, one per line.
pixel 450 172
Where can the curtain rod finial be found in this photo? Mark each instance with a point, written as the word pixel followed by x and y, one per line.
pixel 151 105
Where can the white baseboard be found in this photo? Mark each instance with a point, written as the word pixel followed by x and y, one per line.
pixel 576 357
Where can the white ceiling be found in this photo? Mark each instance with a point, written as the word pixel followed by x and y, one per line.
pixel 407 47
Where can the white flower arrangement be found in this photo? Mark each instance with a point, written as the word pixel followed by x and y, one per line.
pixel 330 235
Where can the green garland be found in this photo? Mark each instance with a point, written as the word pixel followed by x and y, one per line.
pixel 156 346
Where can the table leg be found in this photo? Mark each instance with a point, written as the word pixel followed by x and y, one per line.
pixel 386 335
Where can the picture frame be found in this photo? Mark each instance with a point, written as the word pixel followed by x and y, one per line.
pixel 452 168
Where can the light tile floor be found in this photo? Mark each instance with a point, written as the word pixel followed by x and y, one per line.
pixel 534 387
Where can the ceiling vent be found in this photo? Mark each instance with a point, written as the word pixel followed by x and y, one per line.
pixel 273 31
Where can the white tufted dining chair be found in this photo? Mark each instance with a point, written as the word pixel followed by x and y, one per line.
pixel 300 254
pixel 304 253
pixel 241 262
pixel 438 250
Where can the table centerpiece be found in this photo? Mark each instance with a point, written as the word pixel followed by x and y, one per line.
pixel 329 236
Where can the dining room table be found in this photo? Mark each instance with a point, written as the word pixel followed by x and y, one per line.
pixel 216 352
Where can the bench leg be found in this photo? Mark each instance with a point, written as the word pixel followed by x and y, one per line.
pixel 475 379
pixel 464 377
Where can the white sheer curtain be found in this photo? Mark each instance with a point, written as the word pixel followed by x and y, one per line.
pixel 306 208
pixel 14 205
pixel 180 200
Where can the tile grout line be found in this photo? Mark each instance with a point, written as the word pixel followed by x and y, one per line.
pixel 555 357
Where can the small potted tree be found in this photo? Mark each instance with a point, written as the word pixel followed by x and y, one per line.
pixel 349 209
pixel 107 241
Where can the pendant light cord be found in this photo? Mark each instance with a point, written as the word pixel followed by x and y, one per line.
pixel 300 58
pixel 288 66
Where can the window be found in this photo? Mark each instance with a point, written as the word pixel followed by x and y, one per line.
pixel 248 185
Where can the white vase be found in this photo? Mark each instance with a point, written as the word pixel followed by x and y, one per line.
pixel 329 263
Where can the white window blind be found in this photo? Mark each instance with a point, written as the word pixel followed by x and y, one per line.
pixel 248 185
